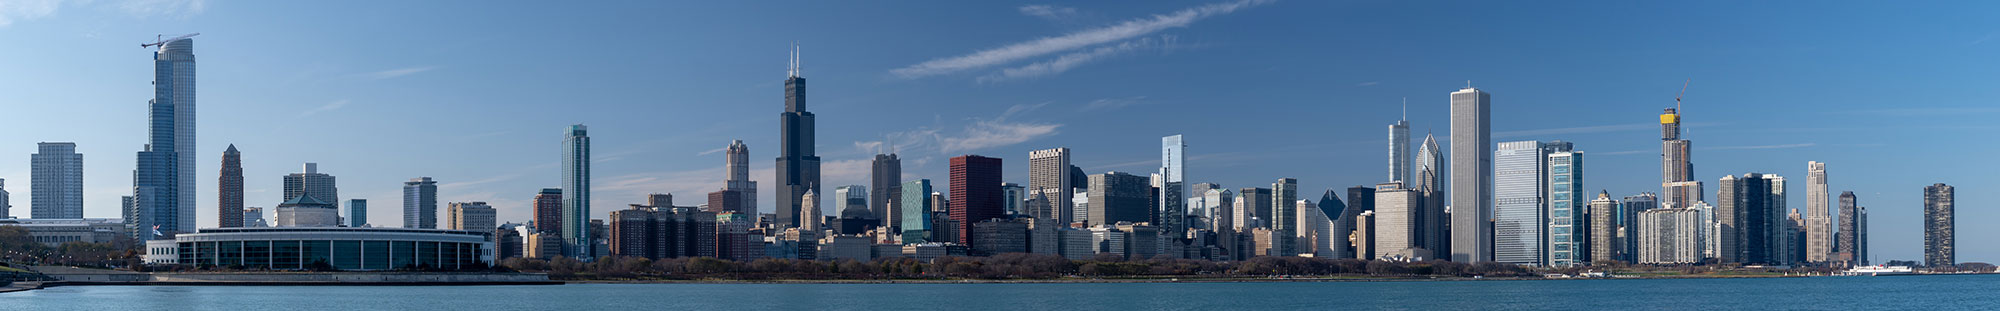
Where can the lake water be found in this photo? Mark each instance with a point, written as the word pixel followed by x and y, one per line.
pixel 1930 293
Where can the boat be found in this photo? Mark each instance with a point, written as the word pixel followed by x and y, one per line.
pixel 1878 270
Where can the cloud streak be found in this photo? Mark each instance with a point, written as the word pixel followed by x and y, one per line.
pixel 1049 12
pixel 1112 103
pixel 392 73
pixel 978 134
pixel 11 11
pixel 335 105
pixel 1068 61
pixel 1121 31
pixel 1755 147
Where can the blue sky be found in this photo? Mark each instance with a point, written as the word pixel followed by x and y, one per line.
pixel 476 94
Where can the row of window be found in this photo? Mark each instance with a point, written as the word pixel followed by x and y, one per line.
pixel 342 255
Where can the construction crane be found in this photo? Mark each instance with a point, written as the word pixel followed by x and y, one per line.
pixel 1684 92
pixel 158 41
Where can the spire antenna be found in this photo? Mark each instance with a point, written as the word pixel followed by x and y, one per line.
pixel 1406 108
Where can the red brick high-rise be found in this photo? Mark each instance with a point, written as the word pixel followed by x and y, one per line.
pixel 548 211
pixel 975 194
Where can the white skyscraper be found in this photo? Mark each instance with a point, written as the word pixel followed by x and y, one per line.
pixel 1471 176
pixel 1819 224
pixel 1049 174
pixel 1520 189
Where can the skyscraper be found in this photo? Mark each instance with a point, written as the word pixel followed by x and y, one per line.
pixel 1339 224
pixel 739 181
pixel 420 203
pixel 885 199
pixel 1284 215
pixel 1566 220
pixel 1399 151
pixel 916 209
pixel 1752 219
pixel 55 188
pixel 1253 208
pixel 798 165
pixel 1429 184
pixel 1603 233
pixel 357 213
pixel 163 183
pixel 312 183
pixel 975 194
pixel 1521 188
pixel 1172 210
pixel 5 208
pixel 1471 176
pixel 229 190
pixel 1819 227
pixel 548 211
pixel 576 194
pixel 1049 173
pixel 1395 222
pixel 1938 226
pixel 1676 170
pixel 471 216
pixel 1628 222
pixel 1114 197
pixel 1847 242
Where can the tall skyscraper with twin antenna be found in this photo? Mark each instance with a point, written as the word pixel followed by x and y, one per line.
pixel 798 166
pixel 1471 176
pixel 163 183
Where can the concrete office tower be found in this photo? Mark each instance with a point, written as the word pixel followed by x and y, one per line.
pixel 1471 176
pixel 228 189
pixel 163 182
pixel 1284 214
pixel 1566 230
pixel 1939 226
pixel 1847 248
pixel 548 211
pixel 810 217
pixel 1049 173
pixel 1118 197
pixel 55 187
pixel 1253 208
pixel 738 157
pixel 1395 223
pixel 1521 189
pixel 1628 223
pixel 1676 170
pixel 420 204
pixel 1819 224
pixel 1171 209
pixel 1600 242
pixel 885 200
pixel 576 194
pixel 471 216
pixel 1312 225
pixel 975 194
pixel 5 208
pixel 1670 235
pixel 798 165
pixel 1399 151
pixel 357 213
pixel 1364 236
pixel 1752 219
pixel 916 226
pixel 1333 240
pixel 312 183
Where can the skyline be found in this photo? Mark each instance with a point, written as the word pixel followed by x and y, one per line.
pixel 647 148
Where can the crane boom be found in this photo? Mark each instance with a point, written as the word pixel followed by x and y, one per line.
pixel 158 41
pixel 1684 92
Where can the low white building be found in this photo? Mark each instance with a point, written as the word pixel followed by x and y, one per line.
pixel 54 232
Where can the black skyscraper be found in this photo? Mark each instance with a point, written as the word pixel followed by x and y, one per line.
pixel 798 168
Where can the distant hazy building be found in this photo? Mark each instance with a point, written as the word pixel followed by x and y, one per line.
pixel 850 205
pixel 1399 151
pixel 1284 214
pixel 1939 241
pixel 1849 246
pixel 575 196
pixel 1364 235
pixel 1818 221
pixel 254 217
pixel 507 242
pixel 999 236
pixel 228 189
pixel 1566 226
pixel 885 200
pixel 1118 197
pixel 55 188
pixel 916 226
pixel 357 213
pixel 312 183
pixel 975 194
pixel 1471 176
pixel 420 203
pixel 1253 208
pixel 543 245
pixel 1049 173
pixel 1013 199
pixel 1521 189
pixel 471 216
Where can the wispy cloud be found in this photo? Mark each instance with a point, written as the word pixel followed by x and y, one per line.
pixel 1113 103
pixel 392 73
pixel 712 151
pixel 21 10
pixel 1989 37
pixel 1922 111
pixel 1628 152
pixel 1576 130
pixel 325 108
pixel 1049 12
pixel 977 134
pixel 1783 146
pixel 1067 61
pixel 1121 31
pixel 167 8
pixel 1369 83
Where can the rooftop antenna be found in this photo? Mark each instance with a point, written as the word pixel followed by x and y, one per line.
pixel 1406 108
pixel 1468 84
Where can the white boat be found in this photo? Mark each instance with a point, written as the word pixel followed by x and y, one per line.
pixel 1878 270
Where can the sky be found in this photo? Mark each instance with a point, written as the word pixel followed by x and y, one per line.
pixel 477 94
